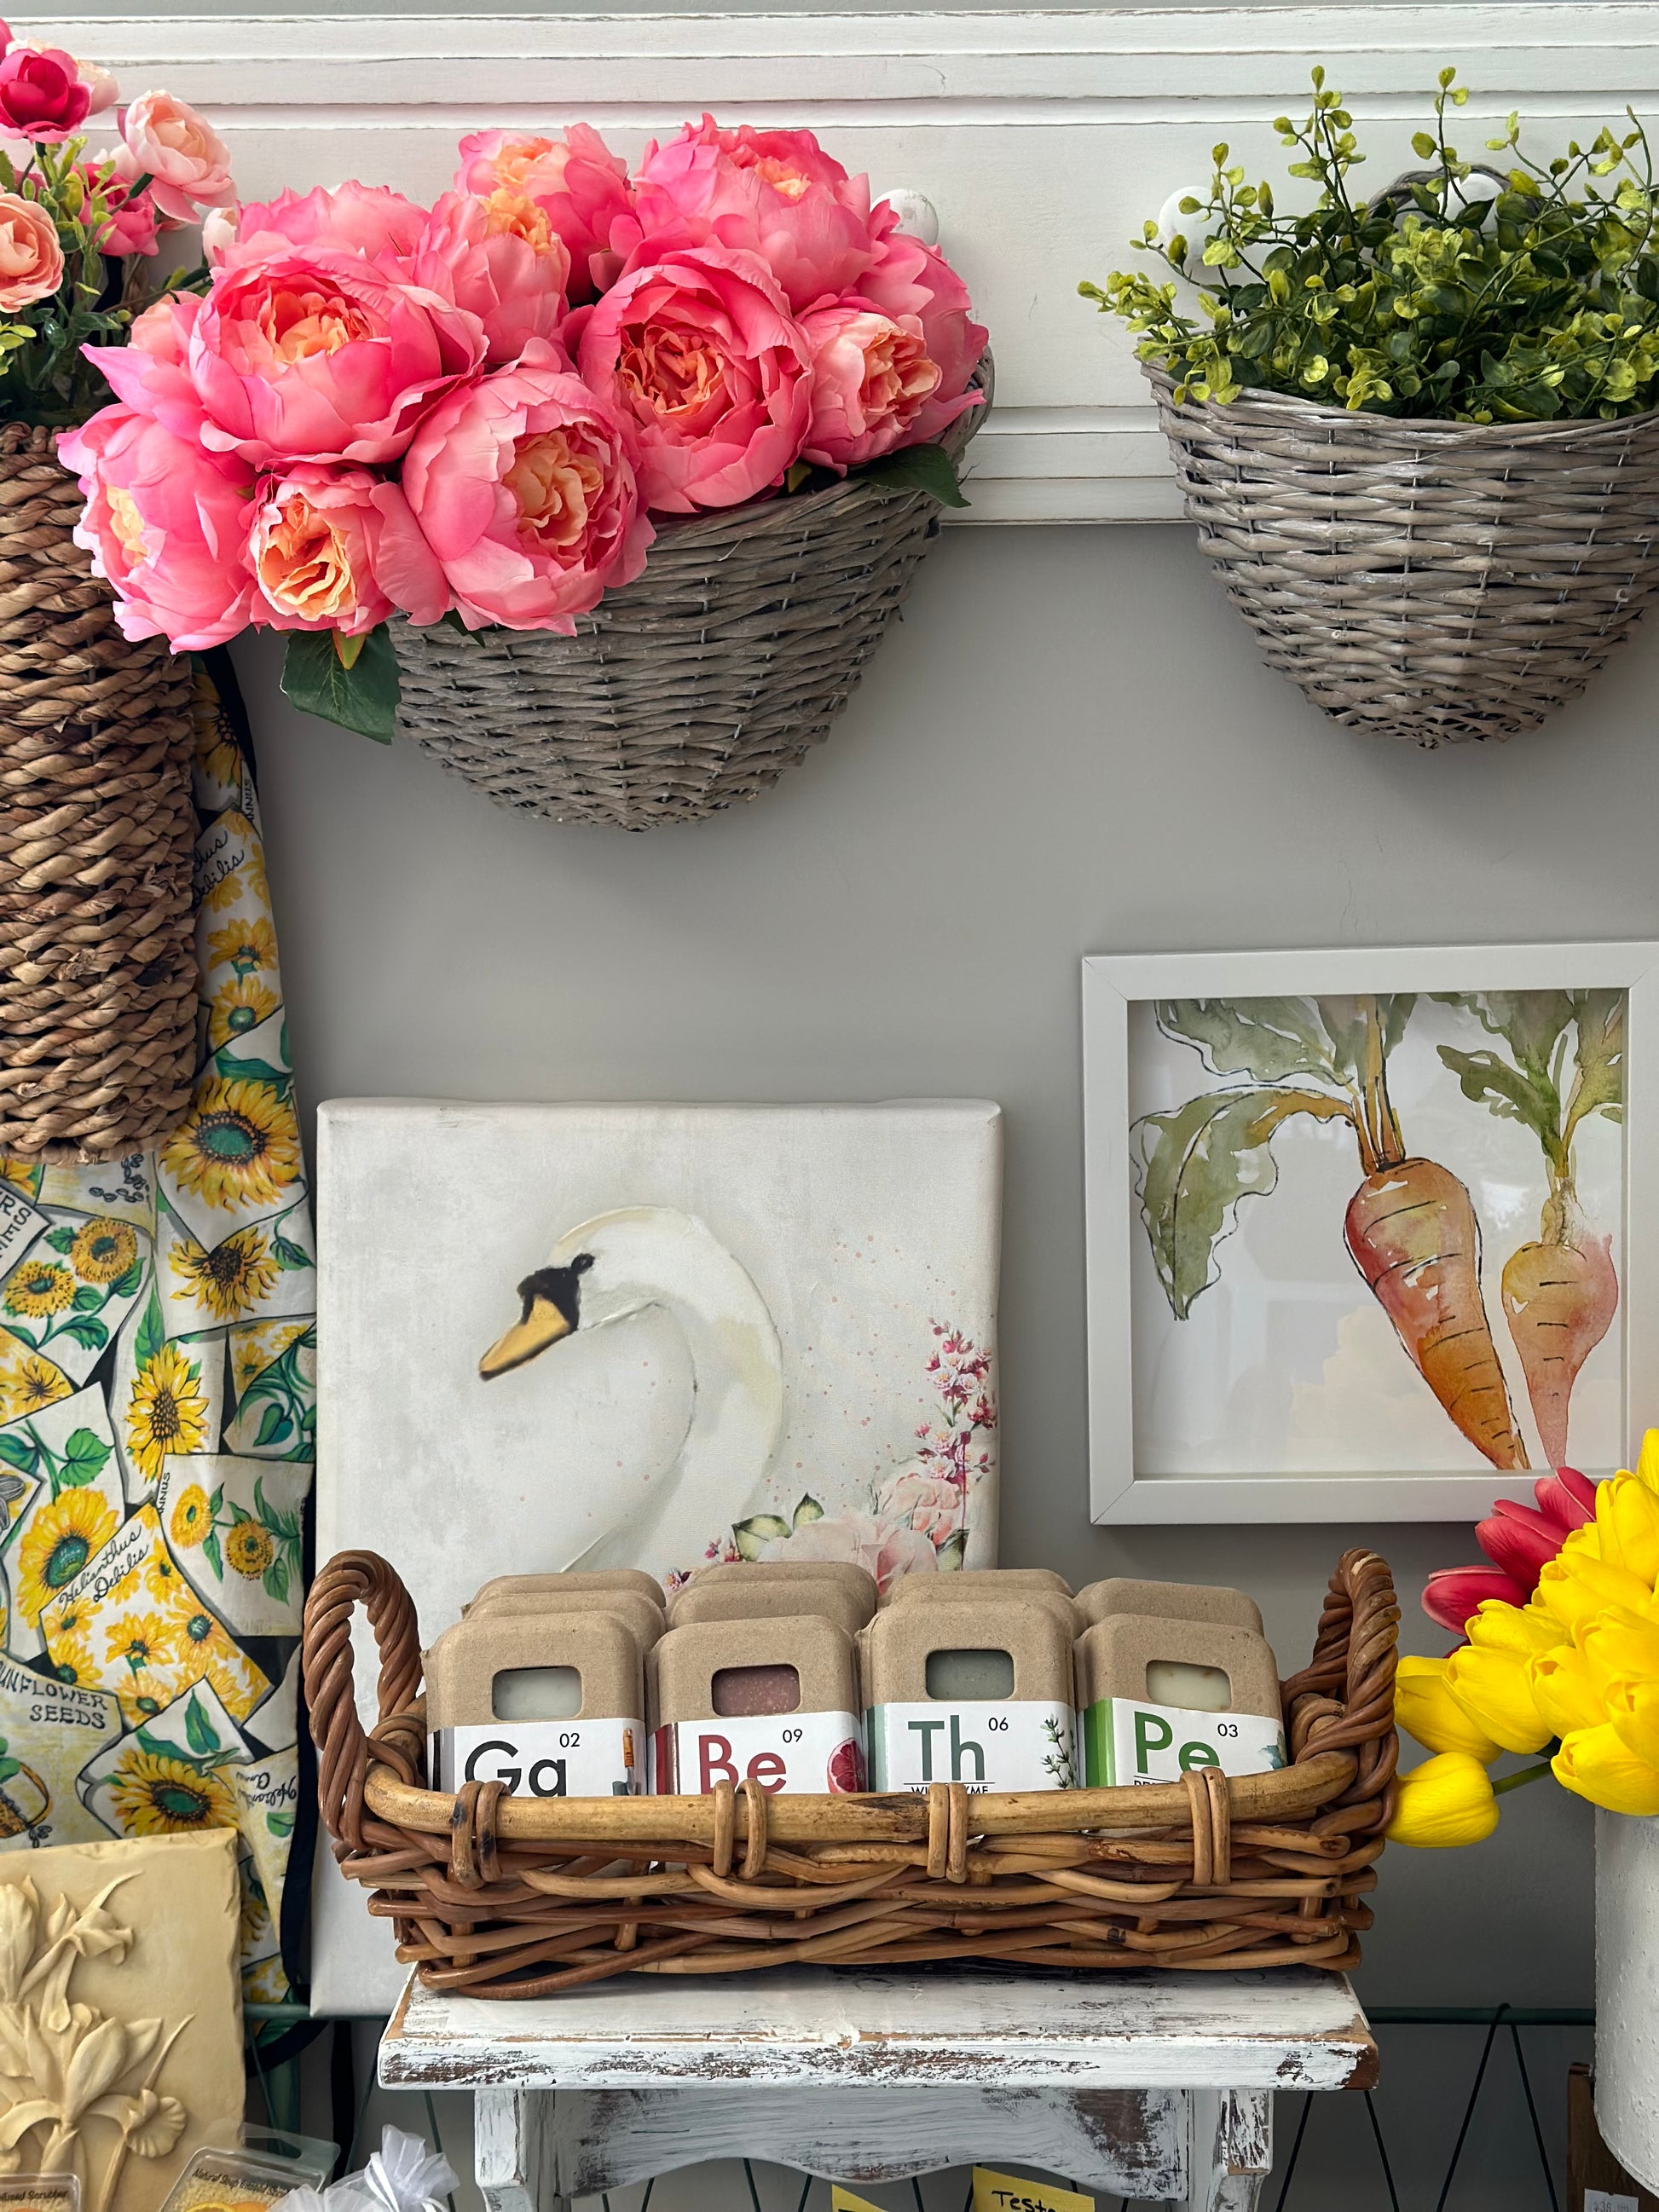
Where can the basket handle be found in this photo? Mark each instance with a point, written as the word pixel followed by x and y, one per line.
pixel 344 1752
pixel 1354 1656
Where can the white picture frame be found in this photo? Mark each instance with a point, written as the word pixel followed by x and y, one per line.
pixel 1123 1494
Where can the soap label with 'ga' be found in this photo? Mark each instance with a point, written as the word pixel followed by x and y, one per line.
pixel 985 1743
pixel 544 1759
pixel 812 1752
pixel 1128 1740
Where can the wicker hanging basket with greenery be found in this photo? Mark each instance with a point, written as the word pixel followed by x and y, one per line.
pixel 1418 432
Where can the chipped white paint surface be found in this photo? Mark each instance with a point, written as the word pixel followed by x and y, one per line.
pixel 813 2027
pixel 1627 1991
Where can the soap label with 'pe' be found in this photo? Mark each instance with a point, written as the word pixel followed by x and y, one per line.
pixel 544 1759
pixel 1128 1740
pixel 985 1743
pixel 811 1751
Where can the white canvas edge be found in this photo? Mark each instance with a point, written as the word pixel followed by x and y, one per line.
pixel 1118 1497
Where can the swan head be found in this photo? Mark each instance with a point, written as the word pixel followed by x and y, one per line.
pixel 602 1271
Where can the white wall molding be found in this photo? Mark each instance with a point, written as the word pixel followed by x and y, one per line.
pixel 1043 140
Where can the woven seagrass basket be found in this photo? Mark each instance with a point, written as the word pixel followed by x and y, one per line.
pixel 692 689
pixel 513 1897
pixel 98 972
pixel 1431 581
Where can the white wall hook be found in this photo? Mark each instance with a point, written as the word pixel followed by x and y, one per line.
pixel 915 212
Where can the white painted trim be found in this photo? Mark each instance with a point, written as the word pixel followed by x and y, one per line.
pixel 1120 1496
pixel 1041 139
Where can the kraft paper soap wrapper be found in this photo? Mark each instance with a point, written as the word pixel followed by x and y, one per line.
pixel 762 1596
pixel 645 1621
pixel 1229 1608
pixel 855 1579
pixel 583 1578
pixel 1114 1655
pixel 800 1731
pixel 985 1593
pixel 681 1667
pixel 462 1665
pixel 895 1647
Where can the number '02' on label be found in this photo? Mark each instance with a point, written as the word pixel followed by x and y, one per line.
pixel 1129 1740
pixel 1003 1743
pixel 811 1751
pixel 544 1759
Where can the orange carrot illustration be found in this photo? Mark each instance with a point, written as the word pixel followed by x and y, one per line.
pixel 1410 1228
pixel 1561 1290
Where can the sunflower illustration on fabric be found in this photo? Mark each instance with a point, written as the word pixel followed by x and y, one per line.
pixel 157 1411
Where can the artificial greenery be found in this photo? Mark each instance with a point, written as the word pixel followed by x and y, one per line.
pixel 1519 293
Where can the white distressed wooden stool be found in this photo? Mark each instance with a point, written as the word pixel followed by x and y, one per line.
pixel 1148 2085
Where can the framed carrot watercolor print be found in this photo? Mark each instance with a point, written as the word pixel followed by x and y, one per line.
pixel 1371 1234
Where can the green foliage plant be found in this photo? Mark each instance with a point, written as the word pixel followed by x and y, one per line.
pixel 1519 292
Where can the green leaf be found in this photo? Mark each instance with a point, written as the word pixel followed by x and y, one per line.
pixel 212 1553
pixel 1504 1089
pixel 1529 1022
pixel 24 1335
pixel 251 1071
pixel 151 1333
pixel 276 1425
pixel 199 1732
pixel 20 1451
pixel 949 1556
pixel 87 1299
pixel 917 468
pixel 287 1254
pixel 1196 1165
pixel 90 1334
pixel 85 1458
pixel 279 1823
pixel 125 1284
pixel 748 1536
pixel 1598 1058
pixel 363 698
pixel 276 1581
pixel 62 1238
pixel 8 1769
pixel 808 1509
pixel 1266 1039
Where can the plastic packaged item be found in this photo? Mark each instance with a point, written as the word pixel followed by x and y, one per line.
pixel 404 2175
pixel 249 2169
pixel 1159 1698
pixel 551 1705
pixel 645 1619
pixel 961 1694
pixel 762 1596
pixel 855 1579
pixel 772 1701
pixel 40 2192
pixel 1230 1608
pixel 965 1580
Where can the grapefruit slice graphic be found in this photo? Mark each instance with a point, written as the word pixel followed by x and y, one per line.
pixel 846 1773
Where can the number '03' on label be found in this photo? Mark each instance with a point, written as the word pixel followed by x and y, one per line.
pixel 1129 1740
pixel 544 1759
pixel 1023 1744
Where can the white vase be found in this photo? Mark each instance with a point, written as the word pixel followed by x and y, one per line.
pixel 1628 1992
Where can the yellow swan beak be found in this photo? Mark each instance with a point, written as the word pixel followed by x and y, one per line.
pixel 543 1324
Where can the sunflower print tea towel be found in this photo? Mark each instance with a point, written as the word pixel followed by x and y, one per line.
pixel 157 1350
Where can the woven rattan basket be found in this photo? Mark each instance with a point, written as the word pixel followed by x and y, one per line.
pixel 1433 582
pixel 97 841
pixel 692 689
pixel 514 1896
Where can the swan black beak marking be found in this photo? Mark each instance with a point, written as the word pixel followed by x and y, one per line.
pixel 552 1307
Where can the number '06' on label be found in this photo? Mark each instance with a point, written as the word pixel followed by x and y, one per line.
pixel 544 1759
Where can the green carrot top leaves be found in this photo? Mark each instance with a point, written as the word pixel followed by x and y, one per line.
pixel 1504 290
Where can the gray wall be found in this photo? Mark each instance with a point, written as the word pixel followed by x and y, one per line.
pixel 1068 746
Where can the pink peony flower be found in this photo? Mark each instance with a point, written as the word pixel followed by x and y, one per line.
pixel 776 193
pixel 132 221
pixel 698 350
pixel 576 185
pixel 31 260
pixel 925 1502
pixel 43 95
pixel 186 159
pixel 871 377
pixel 151 373
pixel 167 525
pixel 369 219
pixel 320 356
pixel 313 548
pixel 887 1549
pixel 908 278
pixel 522 487
pixel 473 251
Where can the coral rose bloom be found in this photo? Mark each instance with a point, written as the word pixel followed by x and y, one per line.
pixel 699 351
pixel 523 488
pixel 314 546
pixel 776 193
pixel 907 278
pixel 320 356
pixel 870 379
pixel 151 373
pixel 511 273
pixel 185 159
pixel 166 523
pixel 574 186
pixel 31 260
pixel 370 220
pixel 43 95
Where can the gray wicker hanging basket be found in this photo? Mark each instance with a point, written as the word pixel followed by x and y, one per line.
pixel 1432 581
pixel 695 687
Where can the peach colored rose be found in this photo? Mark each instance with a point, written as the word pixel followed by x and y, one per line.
pixel 185 159
pixel 906 279
pixel 505 264
pixel 321 356
pixel 167 525
pixel 698 350
pixel 42 95
pixel 574 184
pixel 776 193
pixel 926 1503
pixel 313 547
pixel 368 219
pixel 522 486
pixel 887 1549
pixel 871 378
pixel 31 260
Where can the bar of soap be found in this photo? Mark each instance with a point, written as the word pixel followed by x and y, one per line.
pixel 538 1693
pixel 964 1674
pixel 738 1692
pixel 1196 1689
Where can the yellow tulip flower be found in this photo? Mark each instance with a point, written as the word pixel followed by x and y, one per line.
pixel 1425 1708
pixel 1496 1626
pixel 1632 1708
pixel 1445 1802
pixel 1575 1584
pixel 1598 1764
pixel 1621 1643
pixel 1565 1692
pixel 1647 1465
pixel 1627 1525
pixel 1493 1689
